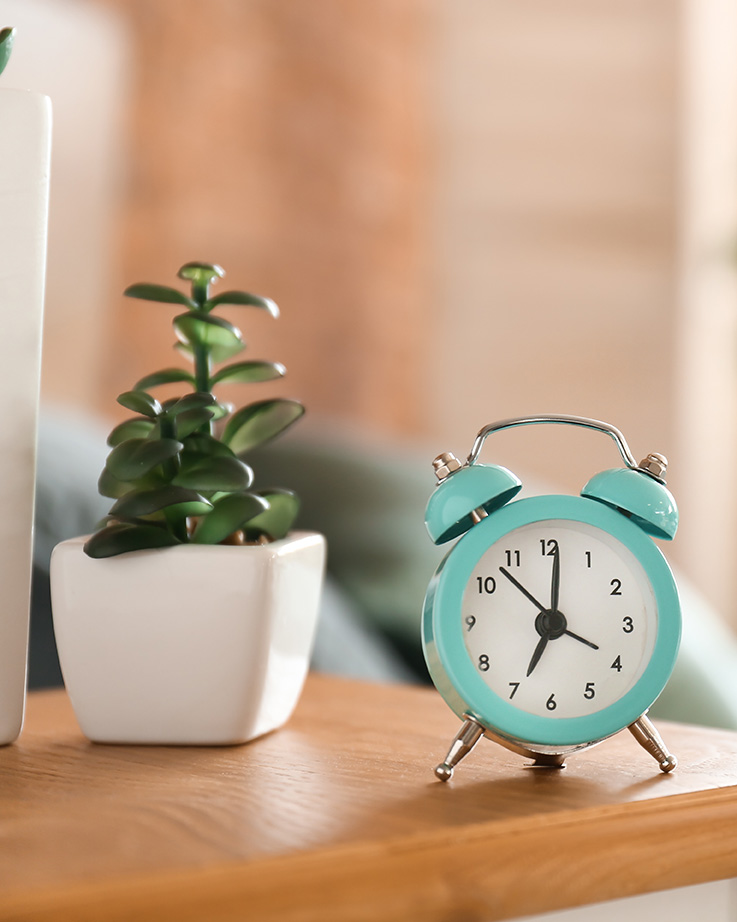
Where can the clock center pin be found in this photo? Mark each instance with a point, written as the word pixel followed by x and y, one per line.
pixel 551 624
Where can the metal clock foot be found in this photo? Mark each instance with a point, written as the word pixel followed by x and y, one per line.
pixel 651 741
pixel 542 760
pixel 467 737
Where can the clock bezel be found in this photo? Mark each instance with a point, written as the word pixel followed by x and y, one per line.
pixel 455 674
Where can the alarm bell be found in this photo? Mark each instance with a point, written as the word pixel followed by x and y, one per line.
pixel 466 494
pixel 638 494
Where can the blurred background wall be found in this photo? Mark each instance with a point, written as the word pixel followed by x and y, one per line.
pixel 466 211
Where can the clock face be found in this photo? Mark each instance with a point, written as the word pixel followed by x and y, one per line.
pixel 559 618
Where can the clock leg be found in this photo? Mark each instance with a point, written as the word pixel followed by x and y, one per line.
pixel 651 741
pixel 467 737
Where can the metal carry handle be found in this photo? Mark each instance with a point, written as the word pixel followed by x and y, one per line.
pixel 585 422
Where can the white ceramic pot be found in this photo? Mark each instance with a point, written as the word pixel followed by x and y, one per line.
pixel 190 645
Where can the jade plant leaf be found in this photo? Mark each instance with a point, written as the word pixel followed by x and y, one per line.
pixel 201 273
pixel 199 446
pixel 228 515
pixel 145 502
pixel 165 376
pixel 160 293
pixel 134 458
pixel 204 330
pixel 242 298
pixel 215 474
pixel 192 420
pixel 122 538
pixel 276 521
pixel 135 428
pixel 258 422
pixel 195 401
pixel 140 402
pixel 249 372
pixel 108 485
pixel 7 37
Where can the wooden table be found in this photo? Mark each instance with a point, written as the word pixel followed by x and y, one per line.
pixel 338 817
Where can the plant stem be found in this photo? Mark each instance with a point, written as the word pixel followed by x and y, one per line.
pixel 170 467
pixel 200 293
pixel 202 368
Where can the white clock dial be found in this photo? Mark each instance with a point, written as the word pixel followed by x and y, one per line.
pixel 566 643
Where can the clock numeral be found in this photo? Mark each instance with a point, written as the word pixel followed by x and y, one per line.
pixel 470 621
pixel 514 686
pixel 588 559
pixel 548 547
pixel 628 625
pixel 589 691
pixel 484 663
pixel 617 664
pixel 616 585
pixel 513 558
pixel 486 584
pixel 551 704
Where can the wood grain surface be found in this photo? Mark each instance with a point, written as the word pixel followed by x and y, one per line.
pixel 338 816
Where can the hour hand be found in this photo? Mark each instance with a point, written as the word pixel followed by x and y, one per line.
pixel 539 649
pixel 582 639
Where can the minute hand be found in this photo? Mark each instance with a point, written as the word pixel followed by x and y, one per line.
pixel 555 581
pixel 522 589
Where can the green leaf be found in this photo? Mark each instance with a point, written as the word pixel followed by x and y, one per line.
pixel 192 420
pixel 145 502
pixel 204 330
pixel 135 428
pixel 198 446
pixel 203 273
pixel 258 422
pixel 228 515
pixel 243 298
pixel 279 517
pixel 108 485
pixel 134 458
pixel 160 293
pixel 7 37
pixel 122 538
pixel 195 401
pixel 140 402
pixel 222 409
pixel 215 473
pixel 165 376
pixel 249 372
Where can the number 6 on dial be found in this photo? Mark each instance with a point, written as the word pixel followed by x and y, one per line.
pixel 554 622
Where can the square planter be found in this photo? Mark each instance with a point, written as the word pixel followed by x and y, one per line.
pixel 190 645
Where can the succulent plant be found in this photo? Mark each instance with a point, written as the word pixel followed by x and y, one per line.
pixel 175 469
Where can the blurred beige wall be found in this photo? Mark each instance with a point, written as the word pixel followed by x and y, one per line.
pixel 76 53
pixel 466 211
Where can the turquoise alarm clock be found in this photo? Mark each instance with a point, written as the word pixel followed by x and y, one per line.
pixel 554 621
